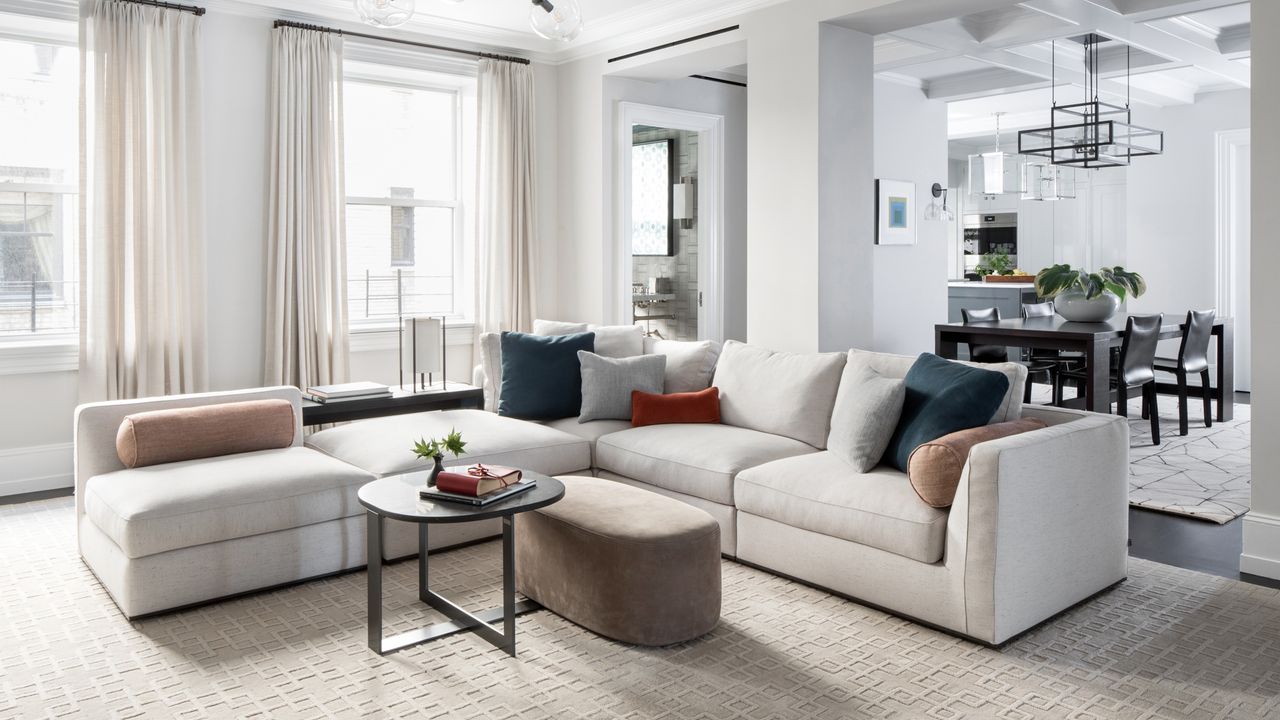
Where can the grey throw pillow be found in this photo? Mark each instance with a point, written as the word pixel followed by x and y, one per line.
pixel 867 409
pixel 607 383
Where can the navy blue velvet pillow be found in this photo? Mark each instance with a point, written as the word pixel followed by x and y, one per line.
pixel 541 376
pixel 943 397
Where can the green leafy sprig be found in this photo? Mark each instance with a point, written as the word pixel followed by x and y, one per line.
pixel 437 447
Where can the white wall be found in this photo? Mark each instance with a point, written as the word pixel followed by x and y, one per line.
pixel 910 280
pixel 35 452
pixel 1262 525
pixel 1171 203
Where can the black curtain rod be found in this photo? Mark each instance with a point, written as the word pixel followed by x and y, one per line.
pixel 674 43
pixel 719 80
pixel 429 46
pixel 170 6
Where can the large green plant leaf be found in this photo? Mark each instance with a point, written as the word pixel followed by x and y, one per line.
pixel 1052 281
pixel 1129 283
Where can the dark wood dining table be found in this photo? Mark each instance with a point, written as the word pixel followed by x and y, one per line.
pixel 1095 340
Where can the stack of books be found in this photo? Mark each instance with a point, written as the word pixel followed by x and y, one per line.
pixel 477 485
pixel 347 391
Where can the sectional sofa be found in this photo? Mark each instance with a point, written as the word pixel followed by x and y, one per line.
pixel 1039 521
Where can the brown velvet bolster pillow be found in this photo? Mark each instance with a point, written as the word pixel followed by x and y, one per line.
pixel 935 467
pixel 165 436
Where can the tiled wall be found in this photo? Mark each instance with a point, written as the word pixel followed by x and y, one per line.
pixel 683 266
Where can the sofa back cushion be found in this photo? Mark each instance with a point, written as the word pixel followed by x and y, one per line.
pixel 556 327
pixel 164 436
pixel 690 364
pixel 612 341
pixel 787 394
pixel 541 375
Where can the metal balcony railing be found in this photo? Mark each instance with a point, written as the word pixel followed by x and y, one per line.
pixel 373 297
pixel 38 306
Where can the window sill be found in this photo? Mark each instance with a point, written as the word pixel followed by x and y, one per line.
pixel 45 355
pixel 377 338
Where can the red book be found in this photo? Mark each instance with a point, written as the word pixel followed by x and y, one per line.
pixel 477 480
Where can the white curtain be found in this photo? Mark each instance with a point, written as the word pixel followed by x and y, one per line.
pixel 142 314
pixel 505 197
pixel 306 264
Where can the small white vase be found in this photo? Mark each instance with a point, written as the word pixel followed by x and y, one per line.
pixel 1072 305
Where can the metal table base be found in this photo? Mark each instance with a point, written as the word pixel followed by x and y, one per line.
pixel 460 620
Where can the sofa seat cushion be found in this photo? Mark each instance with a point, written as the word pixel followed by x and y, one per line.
pixel 383 446
pixel 158 508
pixel 819 492
pixel 591 430
pixel 700 460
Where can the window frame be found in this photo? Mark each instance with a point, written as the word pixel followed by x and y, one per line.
pixel 53 351
pixel 400 77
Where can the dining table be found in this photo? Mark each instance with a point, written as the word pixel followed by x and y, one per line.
pixel 1095 340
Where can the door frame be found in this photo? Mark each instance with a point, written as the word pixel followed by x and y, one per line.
pixel 710 207
pixel 1229 145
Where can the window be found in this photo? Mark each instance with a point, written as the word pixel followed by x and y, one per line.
pixel 407 160
pixel 39 93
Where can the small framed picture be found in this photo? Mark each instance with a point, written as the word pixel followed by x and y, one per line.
pixel 895 212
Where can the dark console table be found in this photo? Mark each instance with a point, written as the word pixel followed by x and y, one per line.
pixel 453 396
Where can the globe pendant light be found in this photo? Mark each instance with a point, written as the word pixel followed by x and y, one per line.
pixel 384 13
pixel 556 19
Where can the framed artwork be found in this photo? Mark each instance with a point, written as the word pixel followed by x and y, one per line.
pixel 652 230
pixel 895 212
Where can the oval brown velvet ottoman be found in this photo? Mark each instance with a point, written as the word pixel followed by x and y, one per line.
pixel 623 562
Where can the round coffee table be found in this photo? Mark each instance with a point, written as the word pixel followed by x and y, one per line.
pixel 396 497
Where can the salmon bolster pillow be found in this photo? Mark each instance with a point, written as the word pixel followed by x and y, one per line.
pixel 164 436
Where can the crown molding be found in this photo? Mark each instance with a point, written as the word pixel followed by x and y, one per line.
pixel 656 20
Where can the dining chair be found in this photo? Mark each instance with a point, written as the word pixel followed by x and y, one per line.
pixel 1041 362
pixel 1193 357
pixel 984 353
pixel 1135 371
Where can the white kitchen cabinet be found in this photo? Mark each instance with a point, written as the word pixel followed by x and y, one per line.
pixel 1035 234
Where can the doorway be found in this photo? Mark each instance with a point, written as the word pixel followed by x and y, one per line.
pixel 1233 231
pixel 668 274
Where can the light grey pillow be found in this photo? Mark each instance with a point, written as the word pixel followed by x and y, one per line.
pixel 867 409
pixel 690 364
pixel 607 383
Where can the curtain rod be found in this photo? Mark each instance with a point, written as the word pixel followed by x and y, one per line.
pixel 429 46
pixel 169 6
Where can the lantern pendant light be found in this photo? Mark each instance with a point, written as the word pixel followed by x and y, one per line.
pixel 996 172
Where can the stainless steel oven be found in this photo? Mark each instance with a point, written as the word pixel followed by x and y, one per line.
pixel 990 233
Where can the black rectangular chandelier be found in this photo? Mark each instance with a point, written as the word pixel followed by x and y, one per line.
pixel 1091 134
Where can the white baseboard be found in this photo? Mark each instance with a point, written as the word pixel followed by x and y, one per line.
pixel 35 468
pixel 1261 553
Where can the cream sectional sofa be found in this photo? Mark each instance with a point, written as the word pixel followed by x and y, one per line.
pixel 1039 522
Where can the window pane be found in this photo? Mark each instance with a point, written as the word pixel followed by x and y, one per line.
pixel 416 243
pixel 38 112
pixel 398 137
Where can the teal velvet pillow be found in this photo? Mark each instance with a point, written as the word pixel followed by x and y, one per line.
pixel 943 397
pixel 541 375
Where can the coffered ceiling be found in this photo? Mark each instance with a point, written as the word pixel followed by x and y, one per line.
pixel 1007 59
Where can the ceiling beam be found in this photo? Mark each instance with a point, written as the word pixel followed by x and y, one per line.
pixel 1112 90
pixel 1148 10
pixel 1142 36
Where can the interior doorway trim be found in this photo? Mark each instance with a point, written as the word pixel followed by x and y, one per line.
pixel 1228 145
pixel 710 221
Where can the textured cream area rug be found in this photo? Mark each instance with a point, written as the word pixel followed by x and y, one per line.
pixel 1167 643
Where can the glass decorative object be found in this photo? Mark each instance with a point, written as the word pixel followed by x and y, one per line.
pixel 556 19
pixel 384 13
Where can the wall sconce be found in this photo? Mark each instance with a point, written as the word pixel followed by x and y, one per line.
pixel 682 198
pixel 934 211
pixel 422 351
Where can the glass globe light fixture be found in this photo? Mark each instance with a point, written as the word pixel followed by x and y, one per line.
pixel 384 13
pixel 556 19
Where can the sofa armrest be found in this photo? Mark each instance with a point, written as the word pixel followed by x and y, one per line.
pixel 96 424
pixel 1045 521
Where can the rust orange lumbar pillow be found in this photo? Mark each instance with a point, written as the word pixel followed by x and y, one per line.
pixel 165 436
pixel 689 407
pixel 935 467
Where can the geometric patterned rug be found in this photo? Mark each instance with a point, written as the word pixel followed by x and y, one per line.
pixel 1167 643
pixel 1204 475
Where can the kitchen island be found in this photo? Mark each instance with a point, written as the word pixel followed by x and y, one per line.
pixel 974 295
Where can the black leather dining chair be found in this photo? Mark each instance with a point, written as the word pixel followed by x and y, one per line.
pixel 984 353
pixel 1042 362
pixel 1193 357
pixel 1136 369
